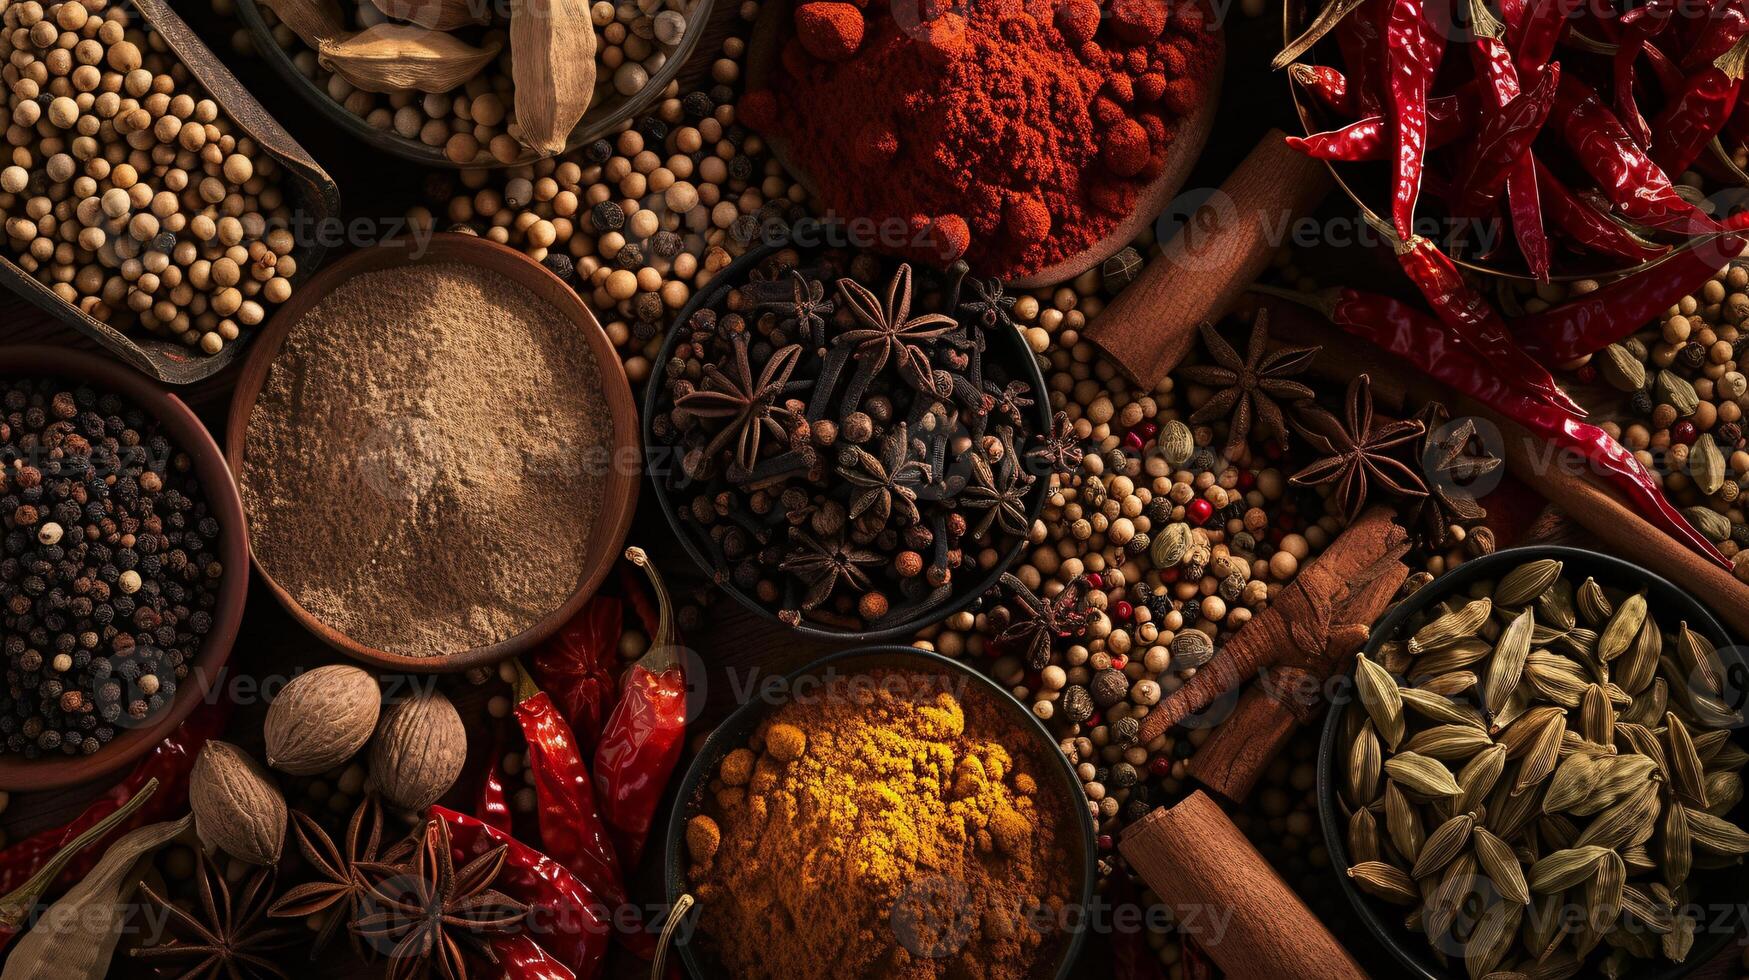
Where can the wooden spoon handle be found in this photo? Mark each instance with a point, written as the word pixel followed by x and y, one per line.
pixel 1152 324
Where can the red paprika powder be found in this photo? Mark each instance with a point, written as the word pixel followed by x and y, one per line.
pixel 1012 132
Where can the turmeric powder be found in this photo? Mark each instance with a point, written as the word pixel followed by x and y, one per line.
pixel 884 827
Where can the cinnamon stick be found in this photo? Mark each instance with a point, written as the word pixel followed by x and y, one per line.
pixel 1151 325
pixel 1282 700
pixel 1295 630
pixel 1225 895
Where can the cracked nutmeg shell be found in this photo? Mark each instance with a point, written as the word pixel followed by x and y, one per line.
pixel 418 750
pixel 237 806
pixel 321 719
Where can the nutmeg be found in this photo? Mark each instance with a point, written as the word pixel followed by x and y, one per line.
pixel 321 719
pixel 237 806
pixel 418 750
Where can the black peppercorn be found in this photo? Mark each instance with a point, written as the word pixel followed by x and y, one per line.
pixel 1109 687
pixel 697 106
pixel 1076 704
pixel 598 152
pixel 560 264
pixel 607 216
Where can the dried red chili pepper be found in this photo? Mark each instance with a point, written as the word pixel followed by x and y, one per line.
pixel 577 666
pixel 1477 324
pixel 1586 225
pixel 1329 86
pixel 1544 22
pixel 642 740
pixel 1418 338
pixel 1524 204
pixel 1361 39
pixel 1690 120
pixel 1414 46
pixel 169 762
pixel 1639 26
pixel 493 807
pixel 1496 68
pixel 1504 137
pixel 1726 24
pixel 1589 323
pixel 1367 139
pixel 521 958
pixel 1630 180
pixel 571 827
pixel 1670 77
pixel 567 919
pixel 1328 17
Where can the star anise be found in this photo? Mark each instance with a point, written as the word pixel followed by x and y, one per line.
pixel 1450 467
pixel 999 491
pixel 806 309
pixel 745 400
pixel 1356 455
pixel 888 481
pixel 1060 449
pixel 225 936
pixel 1039 623
pixel 890 331
pixel 1248 390
pixel 339 890
pixel 430 915
pixel 992 307
pixel 1011 402
pixel 822 565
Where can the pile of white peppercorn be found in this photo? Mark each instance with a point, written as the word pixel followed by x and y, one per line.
pixel 125 189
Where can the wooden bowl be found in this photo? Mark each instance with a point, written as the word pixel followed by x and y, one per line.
pixel 317 196
pixel 1056 776
pixel 604 118
pixel 619 492
pixel 187 433
pixel 766 44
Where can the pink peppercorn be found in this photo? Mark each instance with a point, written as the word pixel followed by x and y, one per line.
pixel 1123 611
pixel 1199 510
pixel 1132 440
pixel 1683 432
pixel 1095 581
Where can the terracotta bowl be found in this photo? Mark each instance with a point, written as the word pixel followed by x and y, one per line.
pixel 619 492
pixel 188 434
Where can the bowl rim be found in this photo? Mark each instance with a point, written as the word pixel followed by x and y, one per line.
pixel 619 494
pixel 658 456
pixel 1389 935
pixel 188 434
pixel 748 715
pixel 433 156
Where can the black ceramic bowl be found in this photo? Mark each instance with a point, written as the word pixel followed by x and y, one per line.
pixel 1724 891
pixel 1057 777
pixel 1007 346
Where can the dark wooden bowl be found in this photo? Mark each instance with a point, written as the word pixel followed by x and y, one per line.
pixel 187 433
pixel 619 492
pixel 317 196
pixel 1056 776
pixel 604 118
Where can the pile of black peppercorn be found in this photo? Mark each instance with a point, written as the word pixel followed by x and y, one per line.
pixel 109 571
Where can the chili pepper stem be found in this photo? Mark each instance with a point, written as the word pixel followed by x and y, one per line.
pixel 1326 21
pixel 1483 23
pixel 16 906
pixel 664 651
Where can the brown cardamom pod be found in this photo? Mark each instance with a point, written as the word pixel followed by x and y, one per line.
pixel 390 58
pixel 313 21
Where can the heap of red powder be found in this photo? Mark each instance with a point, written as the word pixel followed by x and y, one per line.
pixel 1013 132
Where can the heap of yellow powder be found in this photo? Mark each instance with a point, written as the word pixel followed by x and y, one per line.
pixel 882 828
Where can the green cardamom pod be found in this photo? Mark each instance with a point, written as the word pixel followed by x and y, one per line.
pixel 1169 546
pixel 1176 443
pixel 1621 369
pixel 1674 390
pixel 1706 465
pixel 1709 522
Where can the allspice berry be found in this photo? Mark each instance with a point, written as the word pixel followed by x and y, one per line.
pixel 1076 704
pixel 1109 687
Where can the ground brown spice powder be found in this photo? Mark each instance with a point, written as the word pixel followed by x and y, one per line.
pixel 425 462
pixel 884 827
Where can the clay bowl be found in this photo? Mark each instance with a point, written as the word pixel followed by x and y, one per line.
pixel 188 434
pixel 765 46
pixel 619 491
pixel 1722 893
pixel 610 114
pixel 1056 776
pixel 315 192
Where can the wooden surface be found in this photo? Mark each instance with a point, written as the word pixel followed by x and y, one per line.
pixel 1229 899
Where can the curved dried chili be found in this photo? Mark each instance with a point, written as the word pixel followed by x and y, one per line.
pixel 1414 46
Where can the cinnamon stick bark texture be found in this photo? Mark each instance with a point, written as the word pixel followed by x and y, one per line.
pixel 1295 630
pixel 1227 897
pixel 1152 324
pixel 1283 699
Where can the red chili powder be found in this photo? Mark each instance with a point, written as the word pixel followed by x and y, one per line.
pixel 1014 132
